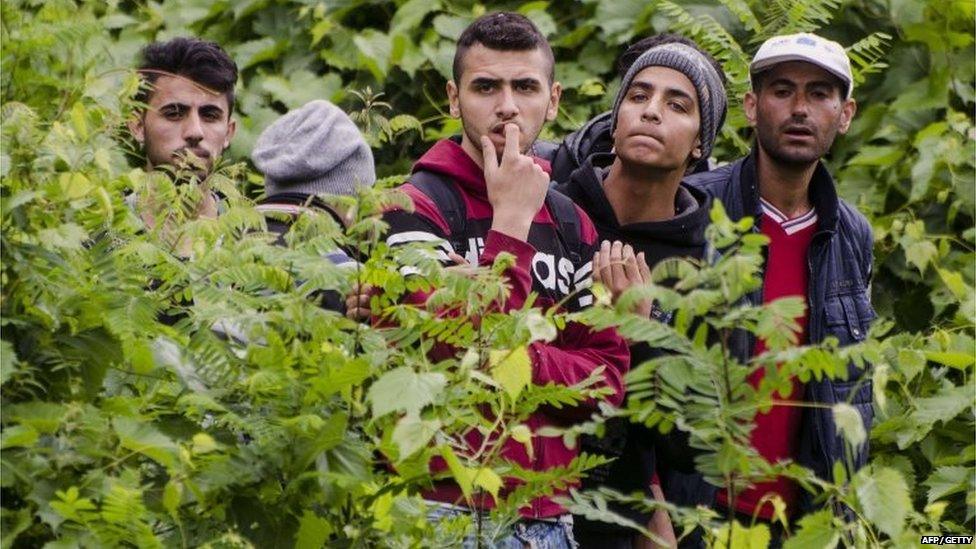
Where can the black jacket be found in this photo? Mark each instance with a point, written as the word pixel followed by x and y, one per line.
pixel 640 451
pixel 839 303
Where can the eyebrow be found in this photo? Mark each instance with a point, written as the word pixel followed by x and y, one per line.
pixel 481 80
pixel 184 107
pixel 812 83
pixel 669 92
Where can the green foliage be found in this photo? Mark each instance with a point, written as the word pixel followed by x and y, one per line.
pixel 252 417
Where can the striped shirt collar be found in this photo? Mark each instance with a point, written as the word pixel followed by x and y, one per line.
pixel 789 226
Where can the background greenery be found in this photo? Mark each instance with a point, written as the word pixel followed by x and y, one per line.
pixel 111 437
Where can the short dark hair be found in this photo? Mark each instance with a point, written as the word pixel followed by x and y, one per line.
pixel 635 50
pixel 203 62
pixel 503 31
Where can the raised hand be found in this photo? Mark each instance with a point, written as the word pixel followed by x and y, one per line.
pixel 616 267
pixel 516 185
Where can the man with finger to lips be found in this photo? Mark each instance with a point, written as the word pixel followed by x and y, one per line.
pixel 666 115
pixel 503 91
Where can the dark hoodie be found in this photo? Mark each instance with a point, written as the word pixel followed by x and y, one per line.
pixel 638 451
pixel 543 267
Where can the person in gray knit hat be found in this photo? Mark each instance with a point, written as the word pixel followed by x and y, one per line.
pixel 691 62
pixel 314 150
pixel 664 121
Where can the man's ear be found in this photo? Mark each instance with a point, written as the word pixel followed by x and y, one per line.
pixel 555 92
pixel 231 130
pixel 847 111
pixel 749 107
pixel 452 99
pixel 137 127
pixel 696 150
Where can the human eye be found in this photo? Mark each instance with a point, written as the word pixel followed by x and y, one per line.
pixel 483 86
pixel 638 96
pixel 526 86
pixel 173 112
pixel 211 115
pixel 678 106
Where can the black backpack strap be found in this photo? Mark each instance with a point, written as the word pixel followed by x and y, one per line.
pixel 443 191
pixel 567 220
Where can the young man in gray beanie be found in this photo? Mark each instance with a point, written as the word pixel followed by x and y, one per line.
pixel 663 124
pixel 310 152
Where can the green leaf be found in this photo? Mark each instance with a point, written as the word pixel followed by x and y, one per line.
pixel 947 480
pixel 313 531
pixel 488 480
pixel 512 370
pixel 413 433
pixel 403 390
pixel 743 537
pixel 8 361
pixel 849 423
pixel 376 49
pixel 815 531
pixel 921 253
pixel 18 436
pixel 140 436
pixel 944 406
pixel 959 361
pixel 883 495
pixel 411 14
pixel 463 476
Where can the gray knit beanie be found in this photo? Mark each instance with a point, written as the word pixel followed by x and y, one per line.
pixel 712 103
pixel 315 149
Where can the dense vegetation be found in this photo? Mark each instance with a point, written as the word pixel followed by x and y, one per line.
pixel 118 429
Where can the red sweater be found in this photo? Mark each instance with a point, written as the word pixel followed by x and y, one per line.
pixel 775 434
pixel 542 266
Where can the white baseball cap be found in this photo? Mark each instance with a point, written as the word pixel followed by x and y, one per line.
pixel 826 54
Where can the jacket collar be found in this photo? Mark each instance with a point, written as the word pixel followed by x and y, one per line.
pixel 822 192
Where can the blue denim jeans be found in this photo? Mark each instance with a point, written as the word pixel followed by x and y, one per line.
pixel 555 533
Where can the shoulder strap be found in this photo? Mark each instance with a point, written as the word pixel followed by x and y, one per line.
pixel 293 203
pixel 449 202
pixel 567 220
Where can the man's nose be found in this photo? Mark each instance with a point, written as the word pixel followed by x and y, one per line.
pixel 652 111
pixel 506 107
pixel 192 128
pixel 801 105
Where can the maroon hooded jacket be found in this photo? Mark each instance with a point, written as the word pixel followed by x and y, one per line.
pixel 543 266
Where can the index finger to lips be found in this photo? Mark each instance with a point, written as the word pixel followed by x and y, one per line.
pixel 511 141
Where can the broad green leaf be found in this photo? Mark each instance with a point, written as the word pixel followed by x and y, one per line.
pixel 138 435
pixel 512 369
pixel 8 361
pixel 743 537
pixel 403 390
pixel 411 13
pixel 488 480
pixel 464 476
pixel 921 253
pixel 815 531
pixel 883 495
pixel 313 531
pixel 22 436
pixel 946 405
pixel 849 423
pixel 413 433
pixel 947 480
pixel 959 361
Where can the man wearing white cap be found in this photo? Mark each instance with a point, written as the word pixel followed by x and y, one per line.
pixel 819 249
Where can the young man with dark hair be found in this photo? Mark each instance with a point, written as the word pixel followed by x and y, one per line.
pixel 480 195
pixel 594 137
pixel 663 124
pixel 820 249
pixel 189 98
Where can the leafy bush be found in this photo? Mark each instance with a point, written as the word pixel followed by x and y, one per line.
pixel 254 417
